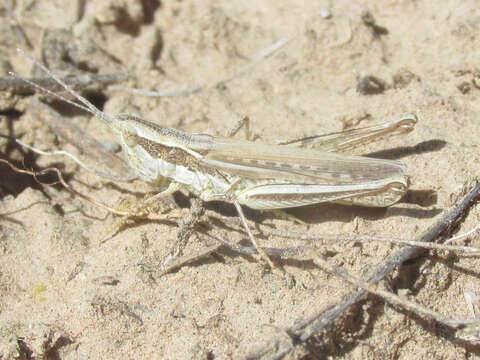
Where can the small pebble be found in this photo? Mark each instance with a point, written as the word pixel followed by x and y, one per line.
pixel 464 87
pixel 105 280
pixel 371 85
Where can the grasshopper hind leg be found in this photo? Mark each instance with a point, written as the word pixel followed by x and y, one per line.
pixel 351 139
pixel 386 196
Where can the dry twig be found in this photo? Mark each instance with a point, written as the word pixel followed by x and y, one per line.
pixel 392 298
pixel 305 330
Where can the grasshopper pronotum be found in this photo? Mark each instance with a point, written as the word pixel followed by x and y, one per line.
pixel 257 175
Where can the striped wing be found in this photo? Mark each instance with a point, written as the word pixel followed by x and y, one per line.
pixel 283 164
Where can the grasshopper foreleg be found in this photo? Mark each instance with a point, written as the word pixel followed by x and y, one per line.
pixel 143 209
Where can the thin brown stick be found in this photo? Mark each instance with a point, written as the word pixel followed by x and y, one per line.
pixel 91 200
pixel 346 237
pixel 62 181
pixel 304 331
pixel 392 298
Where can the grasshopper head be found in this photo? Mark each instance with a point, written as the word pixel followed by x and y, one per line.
pixel 152 150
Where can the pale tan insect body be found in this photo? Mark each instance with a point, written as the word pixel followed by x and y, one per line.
pixel 258 175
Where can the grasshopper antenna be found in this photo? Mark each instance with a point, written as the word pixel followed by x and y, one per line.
pixel 49 92
pixel 87 105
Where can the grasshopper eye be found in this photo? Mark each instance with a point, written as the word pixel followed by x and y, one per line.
pixel 130 137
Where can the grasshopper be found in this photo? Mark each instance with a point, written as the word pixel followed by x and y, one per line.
pixel 260 176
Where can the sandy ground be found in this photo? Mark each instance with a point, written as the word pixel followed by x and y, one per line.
pixel 66 295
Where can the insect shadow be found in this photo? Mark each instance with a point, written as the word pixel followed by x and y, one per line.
pixel 404 151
